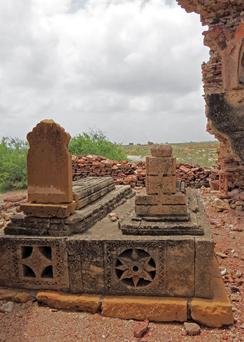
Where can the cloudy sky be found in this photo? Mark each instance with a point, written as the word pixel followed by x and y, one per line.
pixel 130 68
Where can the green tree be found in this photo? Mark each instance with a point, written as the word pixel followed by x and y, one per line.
pixel 13 152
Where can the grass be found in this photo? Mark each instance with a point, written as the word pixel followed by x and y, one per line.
pixel 197 153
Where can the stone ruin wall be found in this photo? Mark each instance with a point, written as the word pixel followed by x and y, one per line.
pixel 223 81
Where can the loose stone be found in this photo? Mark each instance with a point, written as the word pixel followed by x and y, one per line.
pixel 192 329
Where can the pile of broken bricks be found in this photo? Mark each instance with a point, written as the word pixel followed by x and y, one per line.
pixel 127 173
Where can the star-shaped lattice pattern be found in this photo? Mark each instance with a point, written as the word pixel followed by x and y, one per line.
pixel 135 267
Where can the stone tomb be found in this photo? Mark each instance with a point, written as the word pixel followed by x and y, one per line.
pixel 161 198
pixel 87 253
pixel 164 209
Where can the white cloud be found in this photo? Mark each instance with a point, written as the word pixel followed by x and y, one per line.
pixel 130 68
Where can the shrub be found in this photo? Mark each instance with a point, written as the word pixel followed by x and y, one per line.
pixel 13 154
pixel 95 142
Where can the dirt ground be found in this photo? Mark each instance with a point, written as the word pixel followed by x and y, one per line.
pixel 32 323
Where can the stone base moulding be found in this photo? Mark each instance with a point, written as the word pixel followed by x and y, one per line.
pixel 213 313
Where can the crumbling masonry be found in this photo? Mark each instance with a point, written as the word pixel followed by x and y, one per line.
pixel 223 78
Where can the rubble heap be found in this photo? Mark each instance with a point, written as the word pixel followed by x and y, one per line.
pixel 134 174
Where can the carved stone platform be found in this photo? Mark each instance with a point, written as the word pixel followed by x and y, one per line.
pixel 102 260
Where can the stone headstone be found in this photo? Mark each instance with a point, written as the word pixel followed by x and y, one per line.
pixel 49 164
pixel 49 172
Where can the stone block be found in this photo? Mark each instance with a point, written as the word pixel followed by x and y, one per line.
pixel 161 210
pixel 134 267
pixel 204 255
pixel 160 185
pixel 90 189
pixel 160 166
pixel 49 164
pixel 158 309
pixel 17 296
pixel 180 267
pixel 48 210
pixel 72 302
pixel 74 250
pixel 143 199
pixel 161 150
pixel 6 263
pixel 215 312
pixel 86 266
pixel 92 266
pixel 36 263
pixel 173 199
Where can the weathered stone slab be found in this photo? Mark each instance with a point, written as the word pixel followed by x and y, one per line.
pixel 90 189
pixel 156 309
pixel 49 164
pixel 65 301
pixel 135 267
pixel 204 256
pixel 161 210
pixel 174 199
pixel 163 166
pixel 161 150
pixel 160 185
pixel 81 203
pixel 215 312
pixel 18 296
pixel 87 186
pixel 6 263
pixel 36 263
pixel 180 267
pixel 92 266
pixel 48 210
pixel 86 266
